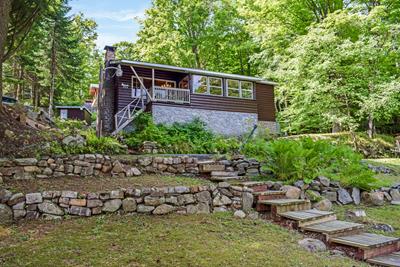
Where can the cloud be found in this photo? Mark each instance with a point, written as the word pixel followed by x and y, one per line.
pixel 120 16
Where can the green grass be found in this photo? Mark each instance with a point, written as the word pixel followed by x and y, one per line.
pixel 387 179
pixel 388 214
pixel 175 240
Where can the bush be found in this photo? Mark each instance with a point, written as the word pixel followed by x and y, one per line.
pixel 291 160
pixel 179 138
pixel 70 127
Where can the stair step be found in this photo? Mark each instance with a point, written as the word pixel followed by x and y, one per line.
pixel 333 227
pixel 307 217
pixel 390 260
pixel 223 174
pixel 283 202
pixel 225 178
pixel 269 193
pixel 204 168
pixel 365 240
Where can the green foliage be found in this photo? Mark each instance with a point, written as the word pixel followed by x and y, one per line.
pixel 291 160
pixel 69 127
pixel 190 137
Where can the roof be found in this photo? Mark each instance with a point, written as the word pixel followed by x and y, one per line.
pixel 192 71
pixel 74 107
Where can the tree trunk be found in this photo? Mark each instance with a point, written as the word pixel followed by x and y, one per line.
pixel 5 8
pixel 53 74
pixel 371 126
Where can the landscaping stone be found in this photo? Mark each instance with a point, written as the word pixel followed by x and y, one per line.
pixel 77 202
pixel 324 205
pixel 50 208
pixel 395 202
pixel 344 196
pixel 203 208
pixel 19 214
pixel 117 194
pixel 247 201
pixel 112 205
pixel 313 195
pixel 239 214
pixel 93 203
pixel 330 195
pixel 186 199
pixel 26 161
pixel 6 215
pixel 154 201
pixel 69 194
pixel 395 194
pixel 253 215
pixel 355 214
pixel 383 227
pixel 182 189
pixel 324 181
pixel 312 245
pixel 145 209
pixel 80 211
pixel 356 195
pixel 33 198
pixel 5 195
pixel 374 198
pixel 163 209
pixel 129 204
pixel 15 199
pixel 292 192
pixel 203 196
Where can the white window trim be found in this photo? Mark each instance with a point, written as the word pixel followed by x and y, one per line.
pixel 240 89
pixel 209 86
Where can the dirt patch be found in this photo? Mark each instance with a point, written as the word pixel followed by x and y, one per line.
pixel 17 139
pixel 96 184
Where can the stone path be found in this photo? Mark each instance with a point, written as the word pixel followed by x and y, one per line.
pixel 349 237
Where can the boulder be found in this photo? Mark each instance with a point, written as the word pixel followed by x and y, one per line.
pixel 247 201
pixel 6 215
pixel 129 204
pixel 313 196
pixel 112 205
pixel 118 167
pixel 163 209
pixel 77 140
pixel 355 214
pixel 292 192
pixel 203 196
pixel 5 195
pixel 240 214
pixel 344 196
pixel 33 198
pixel 324 181
pixel 312 245
pixel 383 227
pixel 374 198
pixel 50 208
pixel 324 205
pixel 395 194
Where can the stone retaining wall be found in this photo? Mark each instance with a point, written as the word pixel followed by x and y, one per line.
pixel 157 201
pixel 101 165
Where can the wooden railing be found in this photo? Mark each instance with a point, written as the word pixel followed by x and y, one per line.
pixel 174 95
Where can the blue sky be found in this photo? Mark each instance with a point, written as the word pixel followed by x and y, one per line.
pixel 115 18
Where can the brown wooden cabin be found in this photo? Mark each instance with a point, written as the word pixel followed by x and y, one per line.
pixel 229 104
pixel 75 113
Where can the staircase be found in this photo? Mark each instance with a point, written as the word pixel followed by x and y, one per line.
pixel 376 249
pixel 126 115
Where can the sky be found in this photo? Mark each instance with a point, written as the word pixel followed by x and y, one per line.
pixel 115 18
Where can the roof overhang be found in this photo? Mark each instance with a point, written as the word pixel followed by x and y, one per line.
pixel 192 71
pixel 74 107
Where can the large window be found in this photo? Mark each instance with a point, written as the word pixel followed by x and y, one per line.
pixel 207 85
pixel 241 89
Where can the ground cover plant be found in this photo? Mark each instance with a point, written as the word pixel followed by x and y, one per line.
pixel 305 159
pixel 173 240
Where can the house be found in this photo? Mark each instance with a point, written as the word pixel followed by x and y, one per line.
pixel 75 113
pixel 229 104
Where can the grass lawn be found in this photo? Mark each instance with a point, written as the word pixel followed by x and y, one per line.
pixel 392 163
pixel 175 240
pixel 389 214
pixel 99 183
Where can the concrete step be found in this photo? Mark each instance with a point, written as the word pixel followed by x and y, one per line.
pixel 367 245
pixel 335 228
pixel 389 260
pixel 277 206
pixel 307 217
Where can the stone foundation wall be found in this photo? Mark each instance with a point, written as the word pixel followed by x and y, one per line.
pixel 101 165
pixel 156 201
pixel 220 122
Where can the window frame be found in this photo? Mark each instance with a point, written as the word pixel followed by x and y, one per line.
pixel 209 86
pixel 240 89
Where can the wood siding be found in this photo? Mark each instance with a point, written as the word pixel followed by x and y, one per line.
pixel 265 102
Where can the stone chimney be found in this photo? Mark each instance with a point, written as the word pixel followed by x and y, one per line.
pixel 110 53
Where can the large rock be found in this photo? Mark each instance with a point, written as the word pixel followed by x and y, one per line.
pixel 118 167
pixel 163 209
pixel 77 140
pixel 344 196
pixel 204 197
pixel 292 192
pixel 144 209
pixel 5 195
pixel 112 205
pixel 395 194
pixel 247 201
pixel 240 214
pixel 324 205
pixel 50 208
pixel 26 161
pixel 6 215
pixel 129 204
pixel 15 199
pixel 356 195
pixel 313 195
pixel 374 198
pixel 154 201
pixel 33 198
pixel 324 181
pixel 383 227
pixel 312 245
pixel 80 211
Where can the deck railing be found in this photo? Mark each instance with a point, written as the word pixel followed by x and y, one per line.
pixel 174 95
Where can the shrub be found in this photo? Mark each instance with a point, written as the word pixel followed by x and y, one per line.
pixel 291 160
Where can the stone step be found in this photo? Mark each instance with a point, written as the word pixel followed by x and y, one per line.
pixel 334 228
pixel 367 245
pixel 390 260
pixel 283 202
pixel 257 186
pixel 223 174
pixel 226 178
pixel 307 217
pixel 206 168
pixel 269 195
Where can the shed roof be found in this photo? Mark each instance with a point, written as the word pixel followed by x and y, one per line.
pixel 74 107
pixel 192 71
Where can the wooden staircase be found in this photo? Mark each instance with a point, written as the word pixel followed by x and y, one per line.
pixel 376 249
